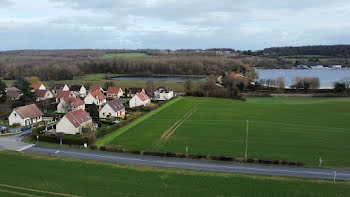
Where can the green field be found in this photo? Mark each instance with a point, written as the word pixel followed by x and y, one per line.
pixel 113 55
pixel 24 174
pixel 294 129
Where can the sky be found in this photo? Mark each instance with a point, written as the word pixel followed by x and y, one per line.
pixel 172 24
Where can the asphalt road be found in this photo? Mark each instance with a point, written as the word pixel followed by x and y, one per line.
pixel 14 142
pixel 193 164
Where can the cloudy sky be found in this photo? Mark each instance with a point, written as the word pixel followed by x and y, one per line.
pixel 172 24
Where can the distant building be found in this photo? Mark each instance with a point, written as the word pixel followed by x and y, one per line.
pixel 317 67
pixel 78 90
pixel 113 109
pixel 140 99
pixel 68 104
pixel 26 115
pixel 58 87
pixel 163 93
pixel 13 93
pixel 335 66
pixel 114 92
pixel 133 91
pixel 95 97
pixel 43 95
pixel 74 122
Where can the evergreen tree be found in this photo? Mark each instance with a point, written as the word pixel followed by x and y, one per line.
pixel 3 87
pixel 27 93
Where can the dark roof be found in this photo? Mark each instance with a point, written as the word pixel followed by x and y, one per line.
pixel 116 105
pixel 75 88
pixel 29 111
pixel 58 86
pixel 134 90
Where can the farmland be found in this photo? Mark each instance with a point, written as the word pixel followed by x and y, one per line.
pixel 296 129
pixel 24 174
pixel 113 55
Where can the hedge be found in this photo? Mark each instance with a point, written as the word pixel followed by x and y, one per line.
pixel 67 139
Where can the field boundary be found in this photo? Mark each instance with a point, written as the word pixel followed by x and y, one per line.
pixel 109 137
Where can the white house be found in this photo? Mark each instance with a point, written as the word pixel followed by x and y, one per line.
pixel 114 92
pixel 74 122
pixel 163 93
pixel 58 87
pixel 26 115
pixel 70 104
pixel 43 95
pixel 140 99
pixel 95 97
pixel 63 94
pixel 335 66
pixel 78 90
pixel 113 109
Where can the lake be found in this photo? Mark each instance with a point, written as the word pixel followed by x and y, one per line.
pixel 159 78
pixel 327 77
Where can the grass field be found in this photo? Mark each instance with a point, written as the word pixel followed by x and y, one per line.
pixel 34 175
pixel 296 129
pixel 112 55
pixel 100 79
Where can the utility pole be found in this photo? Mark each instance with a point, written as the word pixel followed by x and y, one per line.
pixel 246 141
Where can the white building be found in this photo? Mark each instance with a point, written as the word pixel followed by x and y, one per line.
pixel 95 97
pixel 58 87
pixel 113 109
pixel 70 104
pixel 114 92
pixel 140 99
pixel 74 122
pixel 26 115
pixel 163 93
pixel 38 86
pixel 78 90
pixel 335 66
pixel 43 95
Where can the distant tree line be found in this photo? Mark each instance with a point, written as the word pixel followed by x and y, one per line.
pixel 326 50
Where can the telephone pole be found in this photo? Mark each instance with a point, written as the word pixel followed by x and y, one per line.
pixel 246 141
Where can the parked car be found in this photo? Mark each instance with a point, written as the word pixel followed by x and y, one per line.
pixel 3 129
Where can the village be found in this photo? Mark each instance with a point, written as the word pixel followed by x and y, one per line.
pixel 72 102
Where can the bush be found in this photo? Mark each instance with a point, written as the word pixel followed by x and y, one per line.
pixel 94 147
pixel 103 148
pixel 136 152
pixel 300 164
pixel 114 149
pixel 196 156
pixel 265 161
pixel 221 158
pixel 68 139
pixel 292 163
pixel 36 131
pixel 170 154
pixel 180 155
pixel 153 153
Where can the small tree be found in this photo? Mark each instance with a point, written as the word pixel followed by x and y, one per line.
pixel 280 83
pixel 150 87
pixel 188 86
pixel 93 111
pixel 60 136
pixel 3 87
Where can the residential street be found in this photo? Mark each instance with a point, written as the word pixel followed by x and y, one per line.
pixel 14 143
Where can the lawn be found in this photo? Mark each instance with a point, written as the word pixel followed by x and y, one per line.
pixel 113 55
pixel 24 174
pixel 296 129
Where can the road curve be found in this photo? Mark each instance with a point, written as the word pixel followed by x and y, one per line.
pixel 255 169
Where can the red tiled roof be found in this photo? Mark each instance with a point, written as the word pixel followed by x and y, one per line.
pixel 77 118
pixel 36 86
pixel 40 93
pixel 75 102
pixel 29 111
pixel 113 90
pixel 98 95
pixel 94 88
pixel 12 92
pixel 64 94
pixel 143 96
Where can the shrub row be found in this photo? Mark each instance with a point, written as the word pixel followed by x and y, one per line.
pixel 192 156
pixel 67 139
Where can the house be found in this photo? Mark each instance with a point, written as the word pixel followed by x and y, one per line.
pixel 13 93
pixel 114 92
pixel 68 104
pixel 78 90
pixel 113 109
pixel 38 86
pixel 58 87
pixel 26 115
pixel 335 66
pixel 133 91
pixel 140 99
pixel 61 94
pixel 317 67
pixel 163 93
pixel 43 95
pixel 95 97
pixel 74 122
pixel 95 88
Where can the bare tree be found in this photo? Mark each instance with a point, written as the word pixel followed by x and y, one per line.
pixel 60 136
pixel 150 88
pixel 280 83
